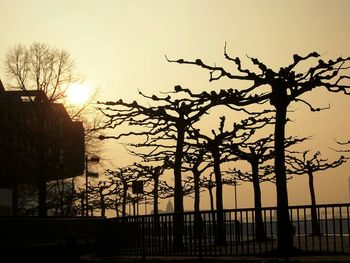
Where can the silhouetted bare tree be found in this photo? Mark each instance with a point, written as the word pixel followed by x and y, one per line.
pixel 239 133
pixel 126 176
pixel 209 184
pixel 152 173
pixel 167 123
pixel 100 192
pixel 303 163
pixel 196 162
pixel 257 153
pixel 115 197
pixel 41 67
pixel 280 88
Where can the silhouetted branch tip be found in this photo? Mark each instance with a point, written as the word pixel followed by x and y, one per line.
pixel 177 88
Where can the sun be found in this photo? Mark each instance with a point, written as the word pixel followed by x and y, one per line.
pixel 78 94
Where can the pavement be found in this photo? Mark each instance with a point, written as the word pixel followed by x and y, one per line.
pixel 242 259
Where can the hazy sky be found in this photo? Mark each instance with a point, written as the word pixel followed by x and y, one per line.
pixel 120 46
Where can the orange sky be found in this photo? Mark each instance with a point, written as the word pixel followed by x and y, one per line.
pixel 119 47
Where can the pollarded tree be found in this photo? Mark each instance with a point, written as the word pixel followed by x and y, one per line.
pixel 280 88
pixel 126 176
pixel 80 198
pixel 152 173
pixel 166 122
pixel 100 194
pixel 115 197
pixel 196 162
pixel 215 144
pixel 209 184
pixel 303 163
pixel 193 157
pixel 257 153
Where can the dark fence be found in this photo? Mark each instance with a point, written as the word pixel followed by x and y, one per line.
pixel 228 232
pixel 208 233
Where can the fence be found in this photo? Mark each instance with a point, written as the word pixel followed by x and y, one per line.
pixel 208 233
pixel 229 232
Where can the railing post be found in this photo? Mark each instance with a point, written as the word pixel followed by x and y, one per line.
pixel 143 238
pixel 200 235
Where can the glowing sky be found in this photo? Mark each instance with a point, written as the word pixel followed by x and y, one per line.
pixel 119 46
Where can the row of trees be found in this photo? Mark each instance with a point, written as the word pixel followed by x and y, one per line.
pixel 170 136
pixel 168 127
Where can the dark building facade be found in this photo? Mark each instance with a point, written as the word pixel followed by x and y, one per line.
pixel 38 140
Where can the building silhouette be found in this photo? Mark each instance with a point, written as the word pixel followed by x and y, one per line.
pixel 38 140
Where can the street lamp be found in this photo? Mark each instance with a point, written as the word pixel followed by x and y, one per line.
pixel 93 159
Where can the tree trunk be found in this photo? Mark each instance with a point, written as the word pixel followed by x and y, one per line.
pixel 103 207
pixel 315 225
pixel 260 234
pixel 284 227
pixel 178 193
pixel 125 190
pixel 196 176
pixel 197 215
pixel 134 207
pixel 155 195
pixel 211 197
pixel 221 236
pixel 116 208
pixel 156 223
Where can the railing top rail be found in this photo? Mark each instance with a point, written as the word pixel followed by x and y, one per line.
pixel 294 207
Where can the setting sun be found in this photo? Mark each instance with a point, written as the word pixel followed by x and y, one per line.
pixel 78 94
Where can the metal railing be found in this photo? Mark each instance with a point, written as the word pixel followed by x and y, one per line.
pixel 228 233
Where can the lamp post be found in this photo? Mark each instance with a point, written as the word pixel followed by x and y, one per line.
pixel 235 186
pixel 93 159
